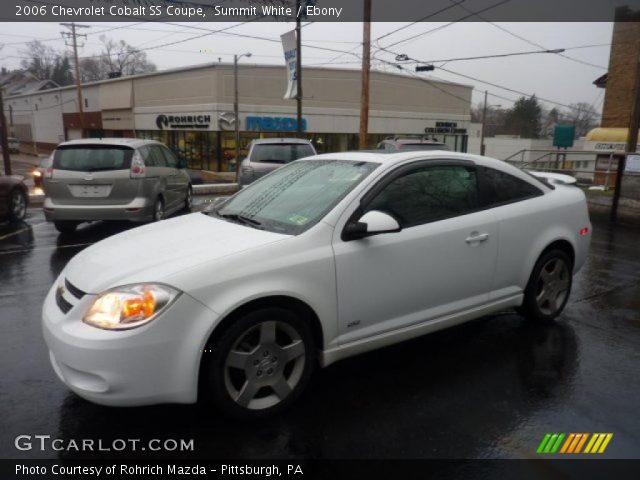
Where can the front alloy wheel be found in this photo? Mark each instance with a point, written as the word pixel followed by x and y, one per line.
pixel 261 363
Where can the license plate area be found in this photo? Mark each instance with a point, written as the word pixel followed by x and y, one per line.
pixel 90 191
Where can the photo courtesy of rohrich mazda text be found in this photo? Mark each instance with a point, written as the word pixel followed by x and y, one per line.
pixel 319 239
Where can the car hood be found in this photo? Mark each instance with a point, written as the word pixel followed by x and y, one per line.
pixel 156 251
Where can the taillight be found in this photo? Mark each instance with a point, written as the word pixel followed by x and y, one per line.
pixel 137 166
pixel 584 231
pixel 48 171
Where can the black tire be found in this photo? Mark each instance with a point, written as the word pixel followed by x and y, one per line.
pixel 17 205
pixel 548 290
pixel 66 226
pixel 224 384
pixel 158 210
pixel 188 201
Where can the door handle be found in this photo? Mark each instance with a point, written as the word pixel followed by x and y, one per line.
pixel 477 237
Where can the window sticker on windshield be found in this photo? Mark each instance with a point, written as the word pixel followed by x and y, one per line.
pixel 298 219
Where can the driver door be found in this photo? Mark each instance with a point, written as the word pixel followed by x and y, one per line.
pixel 440 263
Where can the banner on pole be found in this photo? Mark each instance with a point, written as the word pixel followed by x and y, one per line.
pixel 290 58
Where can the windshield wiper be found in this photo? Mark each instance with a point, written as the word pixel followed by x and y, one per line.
pixel 241 219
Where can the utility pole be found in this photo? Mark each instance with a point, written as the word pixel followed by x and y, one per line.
pixel 484 120
pixel 632 141
pixel 236 115
pixel 236 110
pixel 366 72
pixel 3 138
pixel 74 38
pixel 299 70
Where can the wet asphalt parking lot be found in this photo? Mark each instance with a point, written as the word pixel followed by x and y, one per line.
pixel 488 389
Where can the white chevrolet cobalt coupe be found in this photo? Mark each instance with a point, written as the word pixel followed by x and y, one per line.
pixel 325 258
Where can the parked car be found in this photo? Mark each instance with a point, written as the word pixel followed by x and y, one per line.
pixel 114 179
pixel 40 171
pixel 410 144
pixel 325 258
pixel 14 198
pixel 14 145
pixel 268 154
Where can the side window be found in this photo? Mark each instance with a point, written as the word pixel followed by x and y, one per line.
pixel 429 193
pixel 499 188
pixel 381 146
pixel 145 153
pixel 170 158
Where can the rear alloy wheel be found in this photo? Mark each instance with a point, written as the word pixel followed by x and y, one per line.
pixel 66 226
pixel 261 364
pixel 188 201
pixel 158 210
pixel 17 206
pixel 549 287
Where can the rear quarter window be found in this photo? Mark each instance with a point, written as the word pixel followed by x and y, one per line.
pixel 92 158
pixel 499 188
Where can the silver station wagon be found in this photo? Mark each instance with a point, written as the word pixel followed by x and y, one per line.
pixel 113 179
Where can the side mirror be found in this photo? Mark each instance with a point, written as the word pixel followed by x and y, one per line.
pixel 371 223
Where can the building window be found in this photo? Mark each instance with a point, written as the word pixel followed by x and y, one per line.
pixel 86 103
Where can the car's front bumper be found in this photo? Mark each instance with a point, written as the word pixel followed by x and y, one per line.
pixel 138 210
pixel 155 363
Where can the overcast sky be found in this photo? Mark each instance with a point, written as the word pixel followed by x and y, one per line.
pixel 549 76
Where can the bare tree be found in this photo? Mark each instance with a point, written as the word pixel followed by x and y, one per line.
pixel 583 115
pixel 120 58
pixel 46 63
pixel 91 70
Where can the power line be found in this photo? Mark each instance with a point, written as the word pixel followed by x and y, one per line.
pixel 535 44
pixel 464 17
pixel 444 9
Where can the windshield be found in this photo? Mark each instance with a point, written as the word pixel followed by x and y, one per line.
pixel 414 147
pixel 280 152
pixel 92 158
pixel 293 198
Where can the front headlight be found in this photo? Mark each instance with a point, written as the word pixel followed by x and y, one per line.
pixel 130 306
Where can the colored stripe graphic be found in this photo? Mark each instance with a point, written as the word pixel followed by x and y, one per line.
pixel 568 442
pixel 598 442
pixel 543 443
pixel 573 443
pixel 555 447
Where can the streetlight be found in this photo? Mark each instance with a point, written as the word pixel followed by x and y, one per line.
pixel 235 108
pixel 484 118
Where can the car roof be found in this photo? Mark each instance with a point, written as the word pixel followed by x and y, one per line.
pixel 119 142
pixel 389 160
pixel 259 141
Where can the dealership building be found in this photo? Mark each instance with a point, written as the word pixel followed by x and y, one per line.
pixel 191 110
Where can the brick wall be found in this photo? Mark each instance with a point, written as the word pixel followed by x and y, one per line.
pixel 623 68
